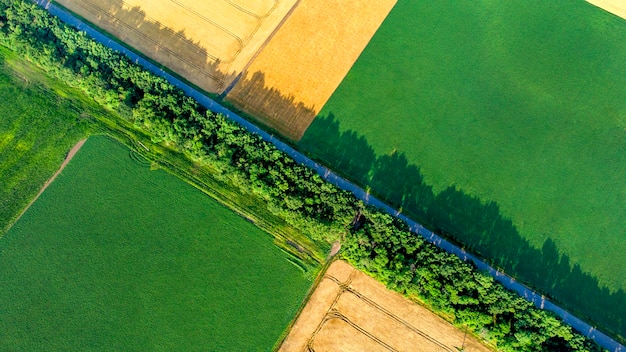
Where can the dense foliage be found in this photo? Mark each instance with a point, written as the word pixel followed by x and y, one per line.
pixel 407 263
pixel 382 245
pixel 26 159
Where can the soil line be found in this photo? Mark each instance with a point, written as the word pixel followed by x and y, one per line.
pixel 68 158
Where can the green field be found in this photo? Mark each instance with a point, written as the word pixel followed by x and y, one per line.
pixel 501 124
pixel 37 128
pixel 116 256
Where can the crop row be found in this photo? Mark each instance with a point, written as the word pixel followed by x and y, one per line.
pixel 382 245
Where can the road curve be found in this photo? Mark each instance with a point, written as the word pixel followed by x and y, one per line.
pixel 510 283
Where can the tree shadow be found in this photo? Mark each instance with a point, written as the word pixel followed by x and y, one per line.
pixel 474 225
pixel 247 92
pixel 477 226
pixel 162 44
pixel 283 113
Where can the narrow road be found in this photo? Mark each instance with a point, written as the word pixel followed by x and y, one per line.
pixel 510 283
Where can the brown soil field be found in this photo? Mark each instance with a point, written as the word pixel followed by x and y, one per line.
pixel 616 7
pixel 306 59
pixel 350 311
pixel 207 42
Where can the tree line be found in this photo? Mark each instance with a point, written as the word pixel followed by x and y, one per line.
pixel 380 245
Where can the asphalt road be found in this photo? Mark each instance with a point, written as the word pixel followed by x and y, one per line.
pixel 510 283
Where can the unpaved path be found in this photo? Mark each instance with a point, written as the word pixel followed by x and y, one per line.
pixel 538 300
pixel 68 158
pixel 334 249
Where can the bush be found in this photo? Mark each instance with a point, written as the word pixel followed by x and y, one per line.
pixel 382 246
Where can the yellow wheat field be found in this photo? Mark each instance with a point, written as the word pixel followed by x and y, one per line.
pixel 305 60
pixel 207 42
pixel 350 311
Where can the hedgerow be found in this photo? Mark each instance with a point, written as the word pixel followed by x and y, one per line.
pixel 382 245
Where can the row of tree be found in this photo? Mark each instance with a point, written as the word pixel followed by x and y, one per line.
pixel 380 245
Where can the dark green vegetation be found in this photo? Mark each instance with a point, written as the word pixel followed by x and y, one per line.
pixel 501 125
pixel 114 256
pixel 406 263
pixel 37 128
pixel 239 160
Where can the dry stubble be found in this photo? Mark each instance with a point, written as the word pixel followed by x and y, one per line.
pixel 616 7
pixel 306 59
pixel 207 42
pixel 351 311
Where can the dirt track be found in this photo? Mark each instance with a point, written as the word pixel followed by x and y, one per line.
pixel 350 311
pixel 537 299
pixel 68 158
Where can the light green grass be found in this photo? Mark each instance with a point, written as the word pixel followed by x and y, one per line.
pixel 37 128
pixel 114 256
pixel 45 117
pixel 42 119
pixel 522 103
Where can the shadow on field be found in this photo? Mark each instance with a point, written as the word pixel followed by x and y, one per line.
pixel 458 216
pixel 162 41
pixel 249 93
pixel 269 106
pixel 477 226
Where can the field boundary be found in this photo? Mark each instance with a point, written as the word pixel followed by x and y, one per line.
pixel 318 279
pixel 331 177
pixel 219 67
pixel 292 78
pixel 334 313
pixel 357 302
pixel 616 7
pixel 259 50
pixel 68 158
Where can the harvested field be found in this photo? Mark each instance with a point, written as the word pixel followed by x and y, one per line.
pixel 304 62
pixel 206 42
pixel 616 7
pixel 350 311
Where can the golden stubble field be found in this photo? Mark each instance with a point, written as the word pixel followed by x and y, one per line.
pixel 350 311
pixel 207 42
pixel 306 60
pixel 277 60
pixel 616 7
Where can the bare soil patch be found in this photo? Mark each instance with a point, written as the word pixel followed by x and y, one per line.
pixel 306 59
pixel 616 7
pixel 334 249
pixel 207 42
pixel 350 311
